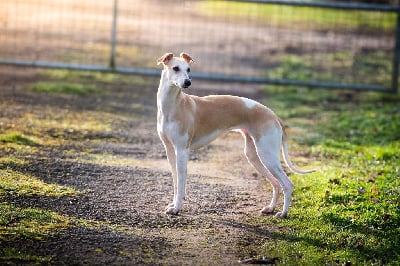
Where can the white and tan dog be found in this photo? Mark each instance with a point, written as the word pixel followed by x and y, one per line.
pixel 187 122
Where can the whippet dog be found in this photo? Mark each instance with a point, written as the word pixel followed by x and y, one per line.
pixel 187 122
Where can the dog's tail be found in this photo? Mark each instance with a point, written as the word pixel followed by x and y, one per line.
pixel 286 157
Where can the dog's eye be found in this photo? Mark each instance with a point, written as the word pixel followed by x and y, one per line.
pixel 176 69
pixel 188 70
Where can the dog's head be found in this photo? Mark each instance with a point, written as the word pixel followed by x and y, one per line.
pixel 177 69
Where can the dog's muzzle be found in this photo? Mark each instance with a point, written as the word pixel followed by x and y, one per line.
pixel 187 83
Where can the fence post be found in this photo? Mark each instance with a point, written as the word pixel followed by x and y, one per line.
pixel 114 35
pixel 396 58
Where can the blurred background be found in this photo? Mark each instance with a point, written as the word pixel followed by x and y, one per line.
pixel 346 44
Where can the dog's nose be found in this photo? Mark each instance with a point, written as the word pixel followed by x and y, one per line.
pixel 187 83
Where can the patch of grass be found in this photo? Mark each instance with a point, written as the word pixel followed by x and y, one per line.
pixel 12 182
pixel 113 160
pixel 53 128
pixel 93 76
pixel 300 17
pixel 28 222
pixel 11 255
pixel 350 209
pixel 367 67
pixel 17 138
pixel 34 223
pixel 74 75
pixel 371 125
pixel 11 159
pixel 64 88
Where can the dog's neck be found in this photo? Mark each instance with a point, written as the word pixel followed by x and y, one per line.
pixel 168 93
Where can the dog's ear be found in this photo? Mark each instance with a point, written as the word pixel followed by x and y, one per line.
pixel 165 58
pixel 186 57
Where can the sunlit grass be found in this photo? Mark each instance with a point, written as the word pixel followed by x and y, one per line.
pixel 368 67
pixel 17 222
pixel 11 254
pixel 64 88
pixel 91 76
pixel 69 122
pixel 299 17
pixel 16 183
pixel 349 211
pixel 52 128
pixel 28 222
pixel 17 138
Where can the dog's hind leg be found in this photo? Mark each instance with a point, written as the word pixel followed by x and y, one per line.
pixel 252 156
pixel 268 149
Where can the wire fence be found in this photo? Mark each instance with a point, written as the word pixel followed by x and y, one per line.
pixel 318 44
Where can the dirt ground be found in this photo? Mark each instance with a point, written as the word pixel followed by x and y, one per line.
pixel 118 214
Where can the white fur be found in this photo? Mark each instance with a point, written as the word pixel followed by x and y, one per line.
pixel 249 103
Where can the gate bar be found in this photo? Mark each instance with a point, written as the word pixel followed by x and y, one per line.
pixel 114 34
pixel 396 57
pixel 203 76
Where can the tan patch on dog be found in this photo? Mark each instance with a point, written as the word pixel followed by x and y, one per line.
pixel 184 114
pixel 226 113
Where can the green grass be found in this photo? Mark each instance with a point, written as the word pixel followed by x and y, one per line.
pixel 350 209
pixel 33 223
pixel 28 222
pixel 13 182
pixel 58 87
pixel 368 67
pixel 12 256
pixel 25 223
pixel 17 138
pixel 302 17
pixel 95 77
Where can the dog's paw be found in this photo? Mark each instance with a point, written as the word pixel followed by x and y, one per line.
pixel 281 215
pixel 171 211
pixel 267 210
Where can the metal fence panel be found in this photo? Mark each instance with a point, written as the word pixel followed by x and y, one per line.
pixel 278 42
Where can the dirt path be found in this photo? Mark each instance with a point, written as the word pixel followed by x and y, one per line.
pixel 124 182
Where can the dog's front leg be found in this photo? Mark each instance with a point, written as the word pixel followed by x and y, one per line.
pixel 182 157
pixel 171 156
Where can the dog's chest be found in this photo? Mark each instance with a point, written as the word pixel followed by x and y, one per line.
pixel 166 124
